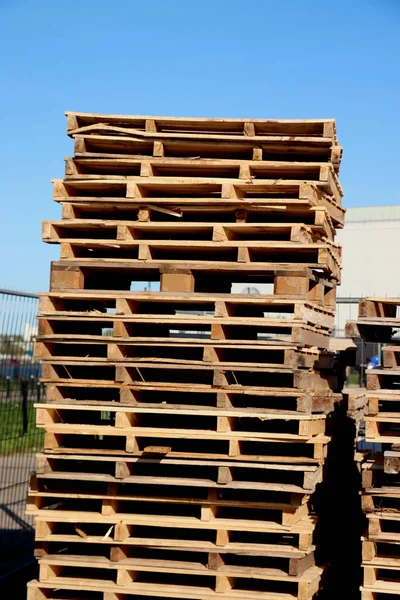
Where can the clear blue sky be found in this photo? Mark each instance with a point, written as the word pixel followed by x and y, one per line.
pixel 217 58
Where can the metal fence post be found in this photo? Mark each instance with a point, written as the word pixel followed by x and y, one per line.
pixel 24 394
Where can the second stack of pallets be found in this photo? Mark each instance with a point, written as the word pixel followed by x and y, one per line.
pixel 378 322
pixel 185 344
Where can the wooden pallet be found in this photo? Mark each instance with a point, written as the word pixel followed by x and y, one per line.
pixel 298 283
pixel 112 166
pixel 41 591
pixel 173 192
pixel 378 320
pixel 208 138
pixel 382 575
pixel 106 349
pixel 383 379
pixel 356 403
pixel 320 255
pixel 234 130
pixel 120 276
pixel 105 493
pixel 267 333
pixel 148 185
pixel 381 562
pixel 147 232
pixel 116 168
pixel 234 215
pixel 68 275
pixel 293 563
pixel 385 500
pixel 252 308
pixel 378 309
pixel 373 475
pixel 384 526
pixel 373 330
pixel 57 505
pixel 136 430
pixel 97 504
pixel 247 400
pixel 92 145
pixel 379 472
pixel 258 424
pixel 205 255
pixel 380 552
pixel 201 377
pixel 130 369
pixel 382 429
pixel 100 440
pixel 294 306
pixel 208 126
pixel 382 401
pixel 152 574
pixel 224 475
pixel 176 532
pixel 288 557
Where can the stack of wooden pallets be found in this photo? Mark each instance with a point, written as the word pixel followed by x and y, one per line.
pixel 378 322
pixel 185 344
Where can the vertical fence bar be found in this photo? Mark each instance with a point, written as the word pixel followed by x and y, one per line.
pixel 24 394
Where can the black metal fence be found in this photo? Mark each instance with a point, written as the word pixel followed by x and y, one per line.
pixel 347 310
pixel 20 388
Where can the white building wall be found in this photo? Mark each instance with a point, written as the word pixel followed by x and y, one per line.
pixel 371 258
